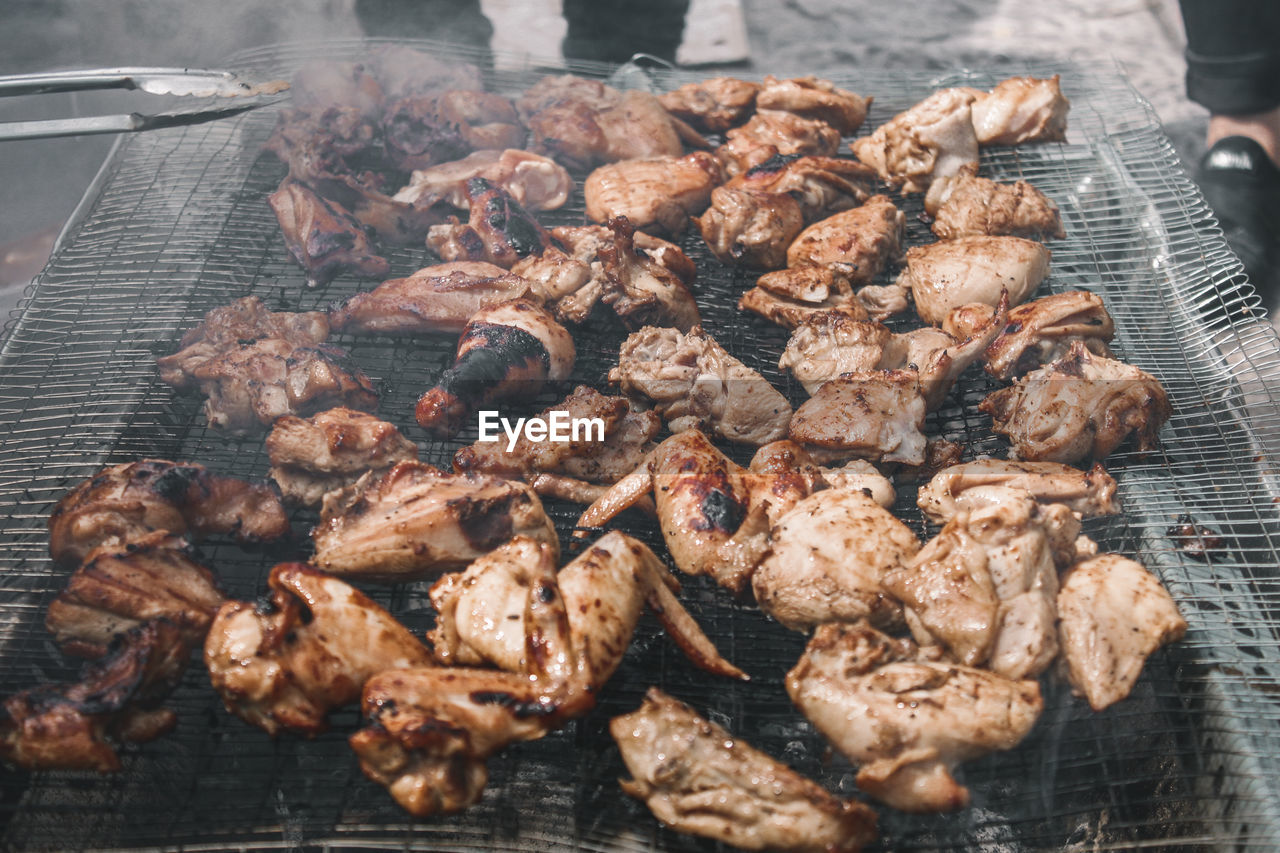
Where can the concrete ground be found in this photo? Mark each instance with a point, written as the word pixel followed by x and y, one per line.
pixel 40 182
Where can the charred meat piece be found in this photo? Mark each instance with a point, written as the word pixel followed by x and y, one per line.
pixel 72 726
pixel 656 194
pixel 698 778
pixel 858 243
pixel 420 131
pixel 507 351
pixel 1021 109
pixel 931 140
pixel 905 719
pixel 322 236
pixel 604 455
pixel 1079 407
pixel 1113 614
pixel 695 384
pixel 772 132
pixel 878 416
pixel 230 326
pixel 963 487
pixel 534 181
pixel 965 205
pixel 498 230
pixel 284 662
pixel 640 290
pixel 313 456
pixel 820 185
pixel 946 275
pixel 438 298
pixel 827 559
pixel 713 105
pixel 1038 332
pixel 788 296
pixel 415 521
pixel 751 228
pixel 124 503
pixel 815 98
pixel 118 588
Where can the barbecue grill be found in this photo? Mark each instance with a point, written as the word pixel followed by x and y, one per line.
pixel 177 223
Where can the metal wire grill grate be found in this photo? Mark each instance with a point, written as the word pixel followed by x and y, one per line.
pixel 179 225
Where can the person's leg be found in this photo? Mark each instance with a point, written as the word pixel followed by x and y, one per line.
pixel 616 30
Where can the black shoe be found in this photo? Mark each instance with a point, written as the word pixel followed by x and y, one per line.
pixel 1242 186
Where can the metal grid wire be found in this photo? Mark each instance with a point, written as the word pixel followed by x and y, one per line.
pixel 179 224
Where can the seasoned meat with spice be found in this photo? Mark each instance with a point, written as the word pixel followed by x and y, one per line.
pixel 877 415
pixel 324 237
pixel 534 181
pixel 751 228
pixel 965 205
pixel 698 778
pixel 815 98
pixel 1021 109
pixel 119 587
pixel 931 140
pixel 284 662
pixel 123 503
pixel 820 185
pixel 943 276
pixel 905 718
pixel 507 351
pixel 656 194
pixel 772 132
pixel 312 456
pixel 1079 407
pixel 788 296
pixel 416 521
pixel 713 105
pixel 420 131
pixel 695 384
pixel 499 230
pixel 962 487
pixel 858 243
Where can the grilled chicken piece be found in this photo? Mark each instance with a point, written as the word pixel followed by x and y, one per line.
pixel 420 131
pixel 534 181
pixel 985 586
pixel 498 230
pixel 877 415
pixel 962 487
pixel 820 185
pixel 123 503
pixel 813 97
pixel 1079 407
pixel 1021 109
pixel 604 455
pixel 695 384
pixel 905 719
pixel 416 521
pixel 313 456
pixel 1113 614
pixel 858 243
pixel 772 132
pixel 828 555
pixel 228 327
pixel 73 726
pixel 931 140
pixel 283 663
pixel 656 194
pixel 584 123
pixel 946 275
pixel 788 296
pixel 1038 332
pixel 698 778
pixel 429 731
pixel 751 228
pixel 324 237
pixel 965 205
pixel 439 298
pixel 713 105
pixel 119 587
pixel 507 351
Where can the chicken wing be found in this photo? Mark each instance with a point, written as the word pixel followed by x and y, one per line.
pixel 931 140
pixel 534 181
pixel 942 276
pixel 965 205
pixel 858 243
pixel 698 778
pixel 772 132
pixel 815 98
pixel 415 521
pixel 962 487
pixel 713 105
pixel 656 194
pixel 905 719
pixel 1114 614
pixel 1021 109
pixel 498 230
pixel 695 384
pixel 283 663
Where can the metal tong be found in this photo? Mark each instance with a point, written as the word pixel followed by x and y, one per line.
pixel 192 82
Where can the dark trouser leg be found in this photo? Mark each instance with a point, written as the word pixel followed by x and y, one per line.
pixel 1233 54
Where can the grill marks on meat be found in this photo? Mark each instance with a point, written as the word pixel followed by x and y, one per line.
pixel 416 521
pixel 656 194
pixel 74 726
pixel 507 351
pixel 313 456
pixel 499 230
pixel 907 720
pixel 124 503
pixel 325 239
pixel 285 662
pixel 696 777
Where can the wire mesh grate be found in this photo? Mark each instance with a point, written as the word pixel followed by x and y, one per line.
pixel 179 225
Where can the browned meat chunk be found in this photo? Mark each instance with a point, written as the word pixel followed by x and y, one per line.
pixel 773 132
pixel 946 275
pixel 713 105
pixel 1021 109
pixel 751 228
pixel 815 98
pixel 858 243
pixel 1087 493
pixel 788 296
pixel 820 185
pixel 534 181
pixel 656 194
pixel 322 236
pixel 933 139
pixel 966 205
pixel 422 130
pixel 498 229
pixel 877 416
